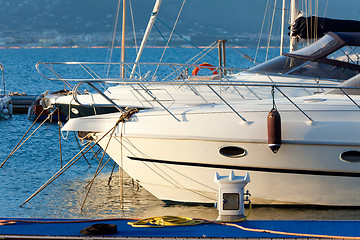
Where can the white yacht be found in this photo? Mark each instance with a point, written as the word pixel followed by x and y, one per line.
pixel 174 152
pixel 175 157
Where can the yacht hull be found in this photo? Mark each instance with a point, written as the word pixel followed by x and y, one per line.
pixel 182 168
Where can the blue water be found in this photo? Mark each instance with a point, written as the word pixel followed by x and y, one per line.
pixel 38 159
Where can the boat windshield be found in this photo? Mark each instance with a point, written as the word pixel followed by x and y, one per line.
pixel 312 61
pixel 301 67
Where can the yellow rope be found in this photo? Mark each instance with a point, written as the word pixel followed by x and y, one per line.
pixel 166 221
pixel 177 221
pixel 185 221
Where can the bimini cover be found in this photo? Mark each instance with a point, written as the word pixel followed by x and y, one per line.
pixel 316 27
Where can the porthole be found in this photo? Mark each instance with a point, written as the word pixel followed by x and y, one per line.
pixel 75 111
pixel 351 156
pixel 232 151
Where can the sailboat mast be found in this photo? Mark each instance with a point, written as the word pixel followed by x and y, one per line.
pixel 147 33
pixel 282 27
pixel 123 40
pixel 294 12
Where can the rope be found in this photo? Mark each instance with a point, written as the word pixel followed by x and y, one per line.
pixel 77 141
pixel 166 221
pixel 126 115
pixel 15 148
pixel 121 168
pixel 112 171
pixel 287 233
pixel 123 117
pixel 273 97
pixel 10 221
pixel 178 221
pixel 19 145
pixel 59 127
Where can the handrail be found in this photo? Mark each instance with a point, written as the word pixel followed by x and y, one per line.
pixel 302 111
pixel 224 82
pixel 130 81
pixel 242 118
pixel 97 90
pixel 112 102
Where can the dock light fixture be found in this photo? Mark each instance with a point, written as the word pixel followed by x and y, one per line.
pixel 230 197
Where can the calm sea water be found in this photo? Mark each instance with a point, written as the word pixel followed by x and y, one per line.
pixel 38 159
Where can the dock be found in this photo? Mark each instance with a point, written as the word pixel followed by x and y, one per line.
pixel 22 102
pixel 22 228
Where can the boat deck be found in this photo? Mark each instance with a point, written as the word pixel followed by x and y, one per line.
pixel 257 229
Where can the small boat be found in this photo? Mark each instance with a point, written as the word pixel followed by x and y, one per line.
pixel 39 112
pixel 6 107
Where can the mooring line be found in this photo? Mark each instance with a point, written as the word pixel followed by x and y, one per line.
pixel 65 167
pixel 77 141
pixel 97 169
pixel 123 117
pixel 57 174
pixel 96 153
pixel 18 145
pixel 112 171
pixel 97 173
pixel 60 149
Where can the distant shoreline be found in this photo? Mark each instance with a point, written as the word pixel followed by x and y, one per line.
pixel 130 47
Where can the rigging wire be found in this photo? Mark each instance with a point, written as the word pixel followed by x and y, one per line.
pixel 172 31
pixel 133 26
pixel 270 32
pixel 162 36
pixel 192 44
pixel 262 27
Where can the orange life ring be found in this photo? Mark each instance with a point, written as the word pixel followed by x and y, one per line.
pixel 204 65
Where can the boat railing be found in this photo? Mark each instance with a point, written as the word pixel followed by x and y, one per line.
pixel 176 71
pixel 216 83
pixel 109 73
pixel 106 72
pixel 75 92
